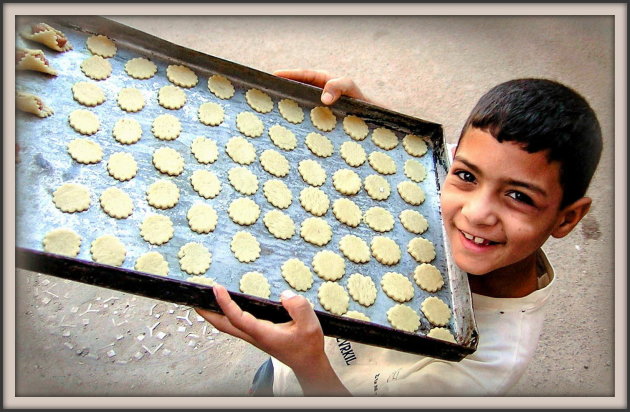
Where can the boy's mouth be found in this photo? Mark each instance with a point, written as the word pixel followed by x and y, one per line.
pixel 478 240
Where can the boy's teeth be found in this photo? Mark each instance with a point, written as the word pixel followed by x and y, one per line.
pixel 479 240
pixel 467 236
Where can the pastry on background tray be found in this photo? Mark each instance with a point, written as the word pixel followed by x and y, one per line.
pixel 46 35
pixel 32 104
pixel 30 59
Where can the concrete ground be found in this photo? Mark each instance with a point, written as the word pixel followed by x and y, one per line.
pixel 79 340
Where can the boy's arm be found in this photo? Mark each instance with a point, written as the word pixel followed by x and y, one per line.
pixel 298 343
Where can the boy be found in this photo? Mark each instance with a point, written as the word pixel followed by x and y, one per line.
pixel 522 165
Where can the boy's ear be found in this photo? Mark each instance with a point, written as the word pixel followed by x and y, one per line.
pixel 570 216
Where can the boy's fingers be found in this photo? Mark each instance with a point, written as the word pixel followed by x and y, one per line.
pixel 338 87
pixel 223 324
pixel 241 320
pixel 299 309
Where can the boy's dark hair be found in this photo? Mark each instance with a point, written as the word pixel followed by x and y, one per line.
pixel 544 115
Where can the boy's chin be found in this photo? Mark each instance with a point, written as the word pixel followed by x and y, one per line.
pixel 471 269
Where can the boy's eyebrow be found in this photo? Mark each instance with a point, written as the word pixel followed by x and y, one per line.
pixel 512 182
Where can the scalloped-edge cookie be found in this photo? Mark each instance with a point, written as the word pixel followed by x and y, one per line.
pixel 206 183
pixel 414 145
pixel 410 192
pixel 171 97
pixel 316 230
pixel 312 172
pixel 377 187
pixel 88 93
pixel 355 249
pixel 127 130
pixel 194 258
pixel 329 265
pixel 282 137
pixel 153 263
pixel 259 100
pixel 245 247
pixel 333 298
pixel 274 163
pixel 436 311
pixel 72 197
pixel 62 241
pixel 385 250
pixel 403 317
pixel 347 212
pixel 355 314
pixel 352 153
pixel 47 35
pixel 415 171
pixel 244 211
pixel 413 221
pixel 122 166
pixel 362 289
pixel 428 277
pixel 319 144
pixel 249 124
pixel 140 68
pixel 168 160
pixel 202 218
pixel 422 250
pixel 384 138
pixel 205 150
pixel 85 151
pixel 379 219
pixel 243 180
pixel 116 203
pixel 279 224
pixel 347 182
pixel 211 114
pixel 202 280
pixel 382 163
pixel 156 229
pixel 101 45
pixel 181 76
pixel 84 121
pixel 291 111
pixel 166 127
pixel 297 274
pixel 323 118
pixel 442 334
pixel 277 193
pixel 397 286
pixel 314 201
pixel 221 86
pixel 255 284
pixel 163 194
pixel 240 150
pixel 131 99
pixel 355 127
pixel 108 250
pixel 96 68
pixel 30 103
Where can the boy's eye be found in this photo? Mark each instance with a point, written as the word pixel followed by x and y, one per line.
pixel 521 197
pixel 465 176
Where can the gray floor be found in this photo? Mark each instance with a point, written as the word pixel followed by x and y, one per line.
pixel 74 339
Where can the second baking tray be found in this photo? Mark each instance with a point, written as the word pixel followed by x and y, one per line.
pixel 44 165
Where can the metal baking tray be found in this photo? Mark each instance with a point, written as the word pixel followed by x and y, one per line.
pixel 43 165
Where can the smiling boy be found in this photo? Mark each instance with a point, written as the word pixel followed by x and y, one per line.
pixel 519 174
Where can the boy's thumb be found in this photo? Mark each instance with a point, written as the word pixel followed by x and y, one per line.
pixel 298 307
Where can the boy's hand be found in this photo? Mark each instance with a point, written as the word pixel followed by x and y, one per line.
pixel 333 86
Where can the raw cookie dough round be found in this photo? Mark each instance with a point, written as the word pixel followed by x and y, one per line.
pixel 279 224
pixel 205 150
pixel 413 221
pixel 297 274
pixel 356 315
pixel 441 333
pixel 166 127
pixel 397 286
pixel 428 277
pixel 323 118
pixel 201 280
pixel 171 97
pixel 157 229
pixel 355 127
pixel 244 211
pixel 255 284
pixel 355 249
pixel 211 114
pixel 127 131
pixel 84 121
pixel 96 68
pixel 403 317
pixel 152 262
pixel 249 124
pixel 379 219
pixel 245 247
pixel 181 76
pixel 347 212
pixel 85 151
pixel 205 183
pixel 243 180
pixel 352 153
pixel 122 166
pixel 382 163
pixel 415 171
pixel 421 249
pixel 411 193
pixel 169 161
pixel 202 218
pixel 277 193
pixel 384 138
pixel 140 68
pixel 72 197
pixel 62 241
pixel 316 230
pixel 282 137
pixel 116 203
pixel 414 145
pixel 259 100
pixel 88 93
pixel 163 194
pixel 319 144
pixel 347 182
pixel 101 45
pixel 194 258
pixel 314 201
pixel 291 111
pixel 312 172
pixel 385 250
pixel 240 150
pixel 362 289
pixel 328 265
pixel 220 86
pixel 436 311
pixel 274 162
pixel 333 298
pixel 108 250
pixel 130 99
pixel 377 187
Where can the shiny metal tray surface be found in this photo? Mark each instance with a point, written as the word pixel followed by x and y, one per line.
pixel 44 164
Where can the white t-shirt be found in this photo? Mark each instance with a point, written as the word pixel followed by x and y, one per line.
pixel 508 328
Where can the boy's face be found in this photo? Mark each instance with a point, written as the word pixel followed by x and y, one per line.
pixel 499 203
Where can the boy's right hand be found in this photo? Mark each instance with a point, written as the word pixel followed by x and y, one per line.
pixel 333 87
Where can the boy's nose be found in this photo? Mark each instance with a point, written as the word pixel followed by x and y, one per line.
pixel 480 209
